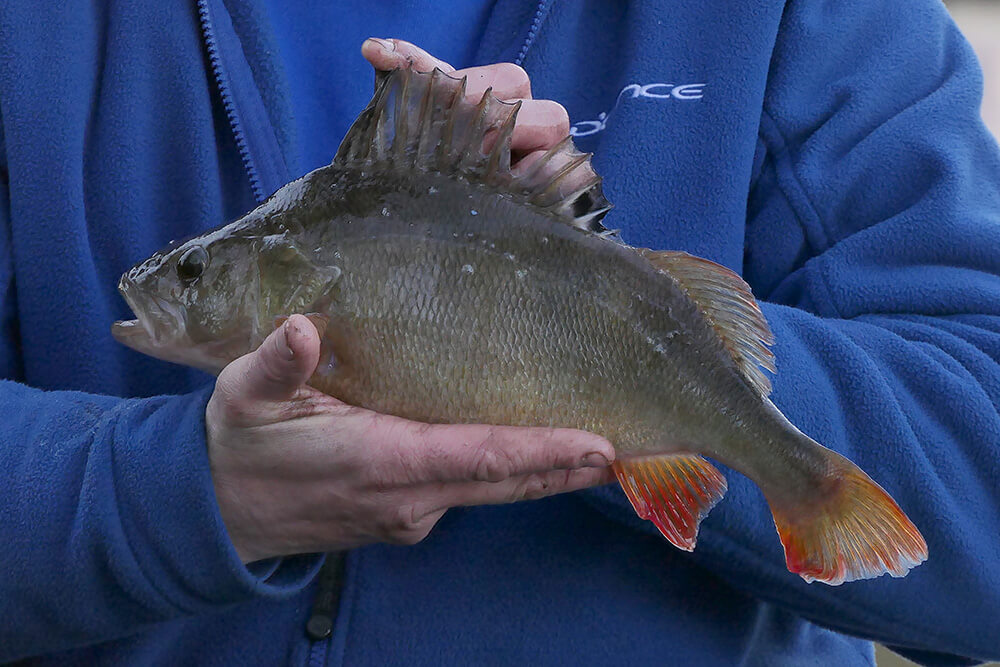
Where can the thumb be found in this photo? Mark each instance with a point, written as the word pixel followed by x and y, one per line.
pixel 283 362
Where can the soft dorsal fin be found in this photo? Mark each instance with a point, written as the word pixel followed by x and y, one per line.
pixel 422 120
pixel 727 302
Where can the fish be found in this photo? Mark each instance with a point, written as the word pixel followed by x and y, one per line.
pixel 451 286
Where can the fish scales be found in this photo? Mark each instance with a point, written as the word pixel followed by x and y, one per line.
pixel 571 356
pixel 450 288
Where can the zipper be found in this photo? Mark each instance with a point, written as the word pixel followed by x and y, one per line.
pixel 266 170
pixel 323 615
pixel 536 25
pixel 248 118
pixel 222 81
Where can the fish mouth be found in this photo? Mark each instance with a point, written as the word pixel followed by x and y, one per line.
pixel 159 331
pixel 157 323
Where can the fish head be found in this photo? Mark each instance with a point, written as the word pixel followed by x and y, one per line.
pixel 195 303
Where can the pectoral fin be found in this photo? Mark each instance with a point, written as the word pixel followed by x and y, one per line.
pixel 674 492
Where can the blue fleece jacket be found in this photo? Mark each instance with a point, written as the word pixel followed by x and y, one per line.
pixel 831 152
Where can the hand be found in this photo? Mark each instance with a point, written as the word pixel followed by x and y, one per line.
pixel 540 124
pixel 297 471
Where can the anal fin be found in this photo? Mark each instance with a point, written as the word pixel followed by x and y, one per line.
pixel 673 491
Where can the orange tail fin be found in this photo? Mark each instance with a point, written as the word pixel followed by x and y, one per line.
pixel 857 532
pixel 674 492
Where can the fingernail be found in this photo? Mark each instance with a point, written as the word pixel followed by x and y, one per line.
pixel 595 460
pixel 284 346
pixel 385 44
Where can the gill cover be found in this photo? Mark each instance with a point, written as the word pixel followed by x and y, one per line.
pixel 280 263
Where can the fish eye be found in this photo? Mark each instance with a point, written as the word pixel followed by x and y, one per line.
pixel 192 264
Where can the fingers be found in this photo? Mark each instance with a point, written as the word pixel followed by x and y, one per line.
pixel 541 124
pixel 508 81
pixel 523 487
pixel 478 453
pixel 410 522
pixel 282 364
pixel 389 54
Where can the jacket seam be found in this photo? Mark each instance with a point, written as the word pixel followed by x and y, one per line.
pixel 789 182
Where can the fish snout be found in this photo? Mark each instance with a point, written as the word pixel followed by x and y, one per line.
pixel 155 319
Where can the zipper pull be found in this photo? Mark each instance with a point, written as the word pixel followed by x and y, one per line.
pixel 329 584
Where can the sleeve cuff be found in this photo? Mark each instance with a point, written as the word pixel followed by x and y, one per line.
pixel 170 517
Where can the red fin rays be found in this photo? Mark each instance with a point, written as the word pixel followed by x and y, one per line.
pixel 858 532
pixel 674 492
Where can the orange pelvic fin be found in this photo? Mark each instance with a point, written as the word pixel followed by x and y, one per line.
pixel 674 492
pixel 858 532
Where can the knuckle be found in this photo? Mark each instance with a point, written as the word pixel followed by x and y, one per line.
pixel 232 409
pixel 492 464
pixel 403 519
pixel 543 485
pixel 534 491
pixel 405 526
pixel 534 488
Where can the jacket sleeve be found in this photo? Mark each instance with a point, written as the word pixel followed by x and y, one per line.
pixel 108 518
pixel 877 192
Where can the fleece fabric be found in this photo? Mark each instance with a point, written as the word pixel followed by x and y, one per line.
pixel 325 80
pixel 831 152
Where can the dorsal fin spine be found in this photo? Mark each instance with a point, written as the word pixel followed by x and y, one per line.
pixel 426 119
pixel 470 151
pixel 423 121
pixel 378 141
pixel 448 131
pixel 553 186
pixel 499 159
pixel 539 166
pixel 401 123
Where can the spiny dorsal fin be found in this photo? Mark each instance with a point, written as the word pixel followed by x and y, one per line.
pixel 727 302
pixel 421 120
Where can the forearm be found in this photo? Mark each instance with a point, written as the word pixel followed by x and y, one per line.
pixel 110 521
